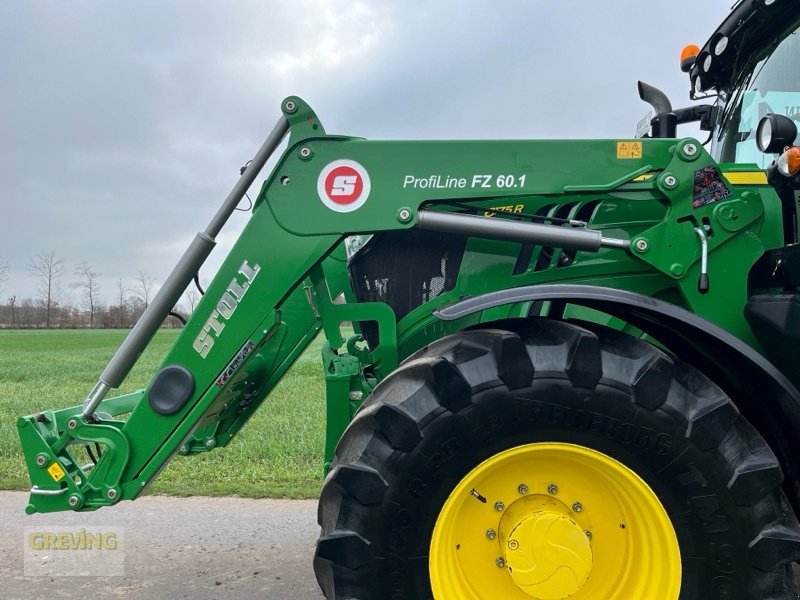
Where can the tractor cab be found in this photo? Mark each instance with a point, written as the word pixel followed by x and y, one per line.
pixel 749 67
pixel 751 63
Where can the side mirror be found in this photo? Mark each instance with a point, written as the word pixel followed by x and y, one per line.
pixel 774 133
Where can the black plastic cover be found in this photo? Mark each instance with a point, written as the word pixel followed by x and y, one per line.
pixel 775 320
pixel 171 390
pixel 779 267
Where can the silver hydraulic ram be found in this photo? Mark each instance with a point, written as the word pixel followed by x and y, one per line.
pixel 517 231
pixel 181 276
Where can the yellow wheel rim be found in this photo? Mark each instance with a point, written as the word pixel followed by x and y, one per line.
pixel 552 521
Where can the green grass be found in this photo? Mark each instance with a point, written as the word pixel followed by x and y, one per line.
pixel 278 454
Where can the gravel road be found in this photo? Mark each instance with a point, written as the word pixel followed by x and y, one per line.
pixel 199 548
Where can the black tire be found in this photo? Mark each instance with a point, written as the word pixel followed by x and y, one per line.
pixel 469 396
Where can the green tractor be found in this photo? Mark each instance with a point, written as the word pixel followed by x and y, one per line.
pixel 573 367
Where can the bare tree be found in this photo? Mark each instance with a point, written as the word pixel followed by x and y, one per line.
pixel 144 288
pixel 48 269
pixel 4 268
pixel 121 306
pixel 12 304
pixel 192 297
pixel 89 284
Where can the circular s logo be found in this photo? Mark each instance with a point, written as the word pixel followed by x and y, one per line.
pixel 343 186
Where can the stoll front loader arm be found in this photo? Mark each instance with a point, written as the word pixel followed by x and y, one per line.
pixel 607 211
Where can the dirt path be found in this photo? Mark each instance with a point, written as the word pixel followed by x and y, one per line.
pixel 200 548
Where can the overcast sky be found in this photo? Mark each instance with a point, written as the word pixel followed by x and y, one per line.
pixel 123 124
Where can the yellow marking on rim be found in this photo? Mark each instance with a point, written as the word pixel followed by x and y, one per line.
pixel 553 521
pixel 746 177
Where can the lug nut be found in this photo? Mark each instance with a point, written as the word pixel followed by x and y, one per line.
pixel 588 534
pixel 491 534
pixel 522 489
pixel 500 562
pixel 499 506
pixel 577 507
pixel 552 489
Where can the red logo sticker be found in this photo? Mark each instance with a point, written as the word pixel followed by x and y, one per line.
pixel 343 185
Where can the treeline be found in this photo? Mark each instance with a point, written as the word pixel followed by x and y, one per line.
pixel 52 307
pixel 30 313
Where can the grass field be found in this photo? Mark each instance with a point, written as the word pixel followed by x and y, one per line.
pixel 277 454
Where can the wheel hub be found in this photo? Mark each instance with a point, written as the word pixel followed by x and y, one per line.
pixel 553 521
pixel 547 552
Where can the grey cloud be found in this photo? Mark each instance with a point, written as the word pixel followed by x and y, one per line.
pixel 122 125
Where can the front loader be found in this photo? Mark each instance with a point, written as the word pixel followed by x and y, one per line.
pixel 572 367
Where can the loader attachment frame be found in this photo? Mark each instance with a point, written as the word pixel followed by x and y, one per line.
pixel 527 211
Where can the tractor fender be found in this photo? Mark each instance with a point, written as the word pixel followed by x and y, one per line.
pixel 760 391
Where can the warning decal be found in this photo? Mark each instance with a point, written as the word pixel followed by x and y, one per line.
pixel 343 186
pixel 629 149
pixel 56 472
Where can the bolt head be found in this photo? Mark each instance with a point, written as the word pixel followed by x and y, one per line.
pixel 588 534
pixel 211 443
pixel 112 493
pixel 676 269
pixel 499 506
pixel 577 507
pixel 491 534
pixel 522 489
pixel 552 489
pixel 404 215
pixel 670 181
pixel 305 152
pixel 72 424
pixel 41 460
pixel 641 245
pixel 74 500
pixel 290 106
pixel 356 395
pixel 690 149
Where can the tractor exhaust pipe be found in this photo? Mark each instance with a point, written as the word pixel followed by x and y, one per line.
pixel 665 123
pixel 180 278
pixel 655 98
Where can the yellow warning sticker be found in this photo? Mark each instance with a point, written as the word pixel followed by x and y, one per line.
pixel 56 472
pixel 629 149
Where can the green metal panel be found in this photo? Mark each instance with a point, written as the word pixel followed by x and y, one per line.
pixel 283 280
